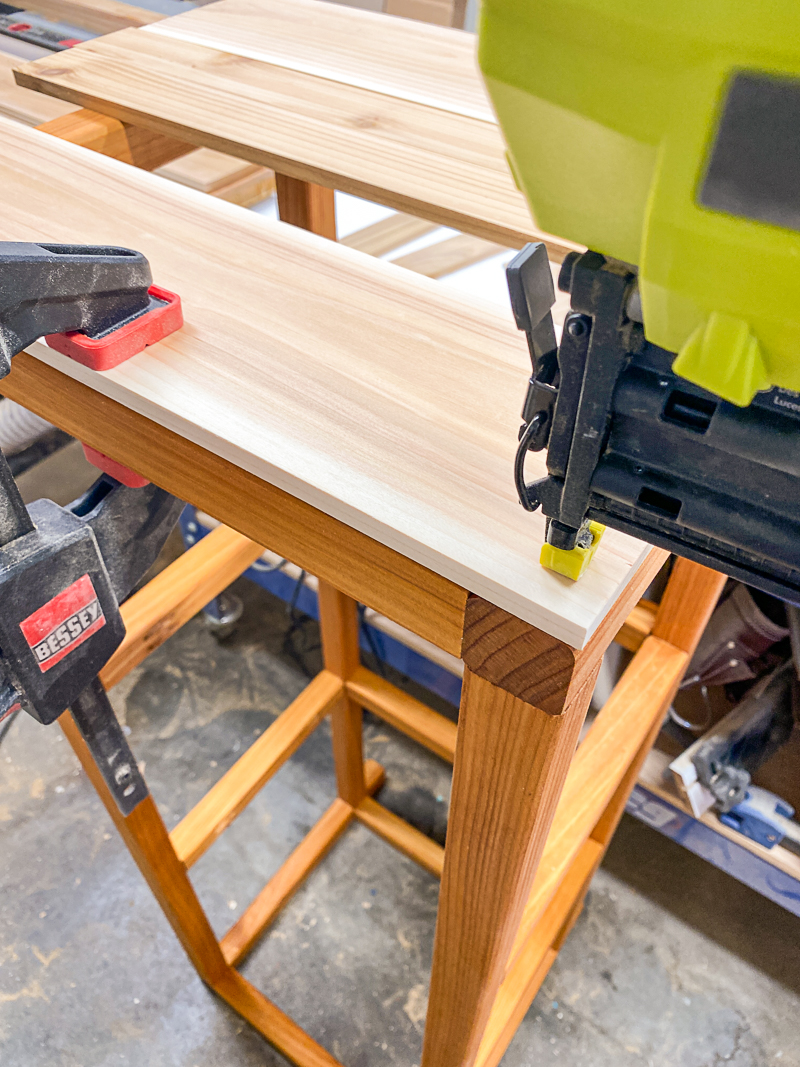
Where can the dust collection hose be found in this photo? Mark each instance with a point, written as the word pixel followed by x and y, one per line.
pixel 19 428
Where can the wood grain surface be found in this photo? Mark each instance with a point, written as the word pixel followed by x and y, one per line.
pixel 367 391
pixel 24 105
pixel 426 63
pixel 386 235
pixel 211 172
pixel 295 88
pixel 511 762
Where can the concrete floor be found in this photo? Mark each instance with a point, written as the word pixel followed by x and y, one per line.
pixel 672 964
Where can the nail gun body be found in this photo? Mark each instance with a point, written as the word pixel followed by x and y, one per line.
pixel 634 446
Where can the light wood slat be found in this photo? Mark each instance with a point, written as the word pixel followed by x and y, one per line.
pixel 637 626
pixel 24 105
pixel 281 1031
pixel 198 830
pixel 386 235
pixel 410 594
pixel 446 257
pixel 445 167
pixel 402 711
pixel 402 835
pixel 523 980
pixel 323 835
pixel 100 16
pixel 170 599
pixel 215 173
pixel 212 172
pixel 640 697
pixel 377 396
pixel 249 190
pixel 425 63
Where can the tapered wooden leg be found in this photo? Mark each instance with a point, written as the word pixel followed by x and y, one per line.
pixel 512 756
pixel 304 204
pixel 145 834
pixel 338 619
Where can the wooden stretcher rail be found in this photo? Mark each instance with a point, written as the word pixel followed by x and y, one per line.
pixel 402 835
pixel 404 712
pixel 236 788
pixel 638 625
pixel 248 928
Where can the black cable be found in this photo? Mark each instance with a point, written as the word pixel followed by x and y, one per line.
pixel 298 620
pixel 527 497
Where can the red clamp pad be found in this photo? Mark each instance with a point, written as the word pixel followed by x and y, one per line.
pixel 103 353
pixel 116 470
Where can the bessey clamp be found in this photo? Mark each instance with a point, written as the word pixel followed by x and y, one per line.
pixel 65 571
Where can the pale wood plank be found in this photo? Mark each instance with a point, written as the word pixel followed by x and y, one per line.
pixel 425 63
pixel 373 394
pixel 400 589
pixel 322 836
pixel 402 835
pixel 387 234
pixel 170 599
pixel 198 830
pixel 446 257
pixel 404 712
pixel 24 105
pixel 446 167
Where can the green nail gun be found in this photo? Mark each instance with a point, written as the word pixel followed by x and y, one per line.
pixel 666 138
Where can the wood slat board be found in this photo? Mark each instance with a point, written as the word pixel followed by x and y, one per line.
pixel 413 61
pixel 400 122
pixel 367 391
pixel 23 104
